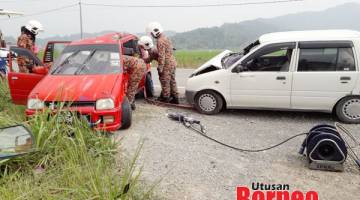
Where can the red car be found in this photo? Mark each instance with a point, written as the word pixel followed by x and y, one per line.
pixel 87 75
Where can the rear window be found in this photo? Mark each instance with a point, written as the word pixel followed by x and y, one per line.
pixel 88 59
pixel 326 56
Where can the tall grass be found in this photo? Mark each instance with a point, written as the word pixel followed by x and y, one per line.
pixel 194 58
pixel 71 161
pixel 8 110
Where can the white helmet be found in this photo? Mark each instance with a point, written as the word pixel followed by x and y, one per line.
pixel 146 42
pixel 34 27
pixel 155 29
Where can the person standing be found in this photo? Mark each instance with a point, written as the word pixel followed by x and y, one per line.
pixel 136 68
pixel 27 40
pixel 166 64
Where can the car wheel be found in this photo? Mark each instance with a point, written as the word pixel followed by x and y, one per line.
pixel 348 109
pixel 149 85
pixel 208 102
pixel 126 114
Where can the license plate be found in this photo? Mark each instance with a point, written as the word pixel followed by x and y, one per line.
pixel 66 117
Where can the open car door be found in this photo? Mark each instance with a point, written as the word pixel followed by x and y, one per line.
pixel 20 83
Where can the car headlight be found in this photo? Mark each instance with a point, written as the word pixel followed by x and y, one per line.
pixel 104 104
pixel 35 104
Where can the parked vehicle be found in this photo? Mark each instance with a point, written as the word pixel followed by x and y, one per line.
pixel 3 62
pixel 301 70
pixel 86 75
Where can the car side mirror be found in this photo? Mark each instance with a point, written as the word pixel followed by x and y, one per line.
pixel 239 68
pixel 15 141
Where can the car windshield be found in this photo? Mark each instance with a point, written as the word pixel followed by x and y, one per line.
pixel 88 59
pixel 229 59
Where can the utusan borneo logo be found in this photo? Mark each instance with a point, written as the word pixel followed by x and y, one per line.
pixel 261 191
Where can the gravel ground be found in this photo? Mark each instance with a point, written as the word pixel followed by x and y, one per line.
pixel 192 167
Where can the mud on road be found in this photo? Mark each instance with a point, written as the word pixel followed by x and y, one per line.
pixel 192 167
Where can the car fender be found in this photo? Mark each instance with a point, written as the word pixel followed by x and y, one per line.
pixel 218 81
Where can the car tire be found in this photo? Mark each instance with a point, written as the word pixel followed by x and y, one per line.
pixel 348 110
pixel 208 102
pixel 149 86
pixel 126 114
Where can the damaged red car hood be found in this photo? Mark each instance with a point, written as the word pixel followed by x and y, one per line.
pixel 75 88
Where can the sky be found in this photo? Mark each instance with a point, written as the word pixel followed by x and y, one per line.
pixel 134 20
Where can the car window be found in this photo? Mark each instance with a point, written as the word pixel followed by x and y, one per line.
pixel 22 64
pixel 88 59
pixel 326 59
pixel 15 66
pixel 102 62
pixel 275 59
pixel 53 51
pixel 23 60
pixel 72 63
pixel 131 48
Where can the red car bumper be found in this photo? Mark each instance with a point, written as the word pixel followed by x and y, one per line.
pixel 107 120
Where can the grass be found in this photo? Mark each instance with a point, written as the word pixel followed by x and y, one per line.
pixel 70 161
pixel 194 58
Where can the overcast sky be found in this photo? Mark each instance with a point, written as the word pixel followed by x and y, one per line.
pixel 134 20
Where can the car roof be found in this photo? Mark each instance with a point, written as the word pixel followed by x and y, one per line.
pixel 313 35
pixel 110 38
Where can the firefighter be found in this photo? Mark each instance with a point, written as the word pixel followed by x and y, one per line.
pixel 136 68
pixel 166 64
pixel 148 52
pixel 27 40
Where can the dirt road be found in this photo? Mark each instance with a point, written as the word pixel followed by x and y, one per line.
pixel 193 167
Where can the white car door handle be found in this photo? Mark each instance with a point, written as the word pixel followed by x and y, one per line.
pixel 345 78
pixel 14 78
pixel 281 78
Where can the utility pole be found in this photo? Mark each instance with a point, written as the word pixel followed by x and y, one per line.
pixel 81 21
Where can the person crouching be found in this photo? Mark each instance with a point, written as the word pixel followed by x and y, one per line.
pixel 136 68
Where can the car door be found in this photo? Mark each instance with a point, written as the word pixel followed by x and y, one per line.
pixel 264 78
pixel 325 73
pixel 20 83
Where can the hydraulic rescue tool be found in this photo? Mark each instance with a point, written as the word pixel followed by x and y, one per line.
pixel 324 146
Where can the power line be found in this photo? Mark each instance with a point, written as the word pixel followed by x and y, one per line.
pixel 156 6
pixel 192 5
pixel 44 12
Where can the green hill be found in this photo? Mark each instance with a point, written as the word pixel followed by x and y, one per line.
pixel 236 35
